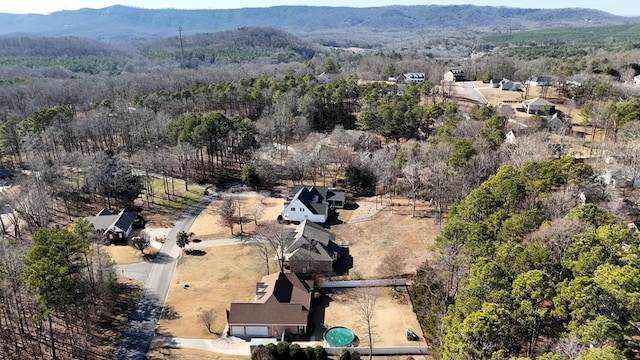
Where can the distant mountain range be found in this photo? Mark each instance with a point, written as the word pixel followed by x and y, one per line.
pixel 120 22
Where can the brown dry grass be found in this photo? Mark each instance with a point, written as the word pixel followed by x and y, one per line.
pixel 223 275
pixel 190 354
pixel 208 225
pixel 391 230
pixel 227 274
pixel 390 318
pixel 125 254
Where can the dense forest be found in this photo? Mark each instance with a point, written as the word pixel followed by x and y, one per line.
pixel 534 259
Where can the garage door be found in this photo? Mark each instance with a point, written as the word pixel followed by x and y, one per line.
pixel 237 330
pixel 256 331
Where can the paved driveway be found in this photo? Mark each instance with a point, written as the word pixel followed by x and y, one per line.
pixel 156 275
pixel 468 89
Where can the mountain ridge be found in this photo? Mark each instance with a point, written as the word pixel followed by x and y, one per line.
pixel 121 22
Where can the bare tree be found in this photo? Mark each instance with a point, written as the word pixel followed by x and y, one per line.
pixel 558 236
pixel 262 248
pixel 140 242
pixel 627 157
pixel 531 147
pixel 33 205
pixel 227 211
pixel 207 317
pixel 413 176
pixel 570 348
pixel 560 202
pixel 272 238
pixel 383 167
pixel 364 303
pixel 336 160
pixel 257 212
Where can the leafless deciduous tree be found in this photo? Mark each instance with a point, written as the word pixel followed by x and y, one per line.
pixel 207 317
pixel 270 241
pixel 227 211
pixel 560 202
pixel 33 206
pixel 558 235
pixel 364 304
pixel 570 348
pixel 383 167
pixel 627 155
pixel 530 147
pixel 140 242
pixel 413 180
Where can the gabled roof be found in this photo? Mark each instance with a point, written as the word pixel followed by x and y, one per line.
pixel 282 287
pixel 281 299
pixel 315 198
pixel 314 231
pixel 312 199
pixel 268 314
pixel 312 242
pixel 106 220
pixel 414 76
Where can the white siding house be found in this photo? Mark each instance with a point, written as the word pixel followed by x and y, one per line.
pixel 297 211
pixel 311 203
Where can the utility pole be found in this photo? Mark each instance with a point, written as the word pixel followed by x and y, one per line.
pixel 181 47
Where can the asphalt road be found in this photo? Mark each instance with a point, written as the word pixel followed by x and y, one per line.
pixel 137 339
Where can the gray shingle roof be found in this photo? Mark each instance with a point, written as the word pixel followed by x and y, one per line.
pixel 106 220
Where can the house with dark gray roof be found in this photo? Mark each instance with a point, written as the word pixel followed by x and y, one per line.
pixel 407 78
pixel 312 203
pixel 454 75
pixel 113 226
pixel 312 249
pixel 280 309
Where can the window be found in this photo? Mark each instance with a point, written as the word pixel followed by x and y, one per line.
pixel 293 209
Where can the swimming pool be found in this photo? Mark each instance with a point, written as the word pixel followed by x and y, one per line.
pixel 339 336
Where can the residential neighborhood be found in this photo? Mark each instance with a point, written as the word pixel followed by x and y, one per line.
pixel 424 182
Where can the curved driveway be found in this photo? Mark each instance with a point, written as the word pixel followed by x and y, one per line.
pixel 156 276
pixel 469 90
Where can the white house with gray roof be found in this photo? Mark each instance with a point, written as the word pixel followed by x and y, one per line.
pixel 312 203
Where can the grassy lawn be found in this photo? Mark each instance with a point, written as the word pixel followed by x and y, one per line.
pixel 178 201
pixel 162 209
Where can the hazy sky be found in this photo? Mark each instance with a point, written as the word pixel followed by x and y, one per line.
pixel 618 7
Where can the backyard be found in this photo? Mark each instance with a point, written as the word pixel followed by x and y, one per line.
pixel 220 275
